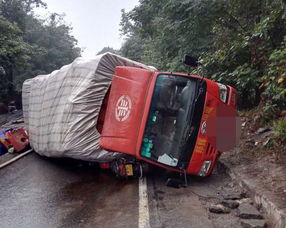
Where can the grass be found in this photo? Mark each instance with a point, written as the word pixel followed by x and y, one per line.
pixel 280 131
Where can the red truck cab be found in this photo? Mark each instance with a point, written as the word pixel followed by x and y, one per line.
pixel 162 118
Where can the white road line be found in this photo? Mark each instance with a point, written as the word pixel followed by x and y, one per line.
pixel 15 158
pixel 143 219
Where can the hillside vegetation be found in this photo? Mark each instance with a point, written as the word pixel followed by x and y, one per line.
pixel 238 42
pixel 30 46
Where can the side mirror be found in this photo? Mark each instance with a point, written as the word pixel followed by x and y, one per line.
pixel 190 61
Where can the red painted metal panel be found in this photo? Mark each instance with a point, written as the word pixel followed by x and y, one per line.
pixel 127 112
pixel 18 139
pixel 125 109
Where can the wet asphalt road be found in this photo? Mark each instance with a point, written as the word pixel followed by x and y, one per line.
pixel 41 192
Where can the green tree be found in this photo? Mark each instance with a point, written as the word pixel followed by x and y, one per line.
pixel 133 48
pixel 16 11
pixel 107 49
pixel 31 46
pixel 53 46
pixel 238 42
pixel 14 53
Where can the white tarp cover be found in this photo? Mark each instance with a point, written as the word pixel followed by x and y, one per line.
pixel 61 109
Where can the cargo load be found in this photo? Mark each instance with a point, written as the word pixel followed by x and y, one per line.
pixel 61 109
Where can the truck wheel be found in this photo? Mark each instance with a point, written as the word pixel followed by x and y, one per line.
pixel 175 183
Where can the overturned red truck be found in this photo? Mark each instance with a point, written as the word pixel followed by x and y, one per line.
pixel 166 119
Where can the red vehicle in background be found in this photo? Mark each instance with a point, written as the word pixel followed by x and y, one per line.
pixel 164 118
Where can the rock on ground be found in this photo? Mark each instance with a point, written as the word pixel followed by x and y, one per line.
pixel 234 195
pixel 219 209
pixel 230 204
pixel 247 211
pixel 253 223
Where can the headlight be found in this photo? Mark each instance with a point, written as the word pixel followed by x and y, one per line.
pixel 222 92
pixel 205 168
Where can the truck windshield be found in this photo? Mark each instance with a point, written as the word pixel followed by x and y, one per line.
pixel 168 122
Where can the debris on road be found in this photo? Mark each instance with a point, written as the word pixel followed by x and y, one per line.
pixel 18 139
pixel 233 195
pixel 10 158
pixel 253 223
pixel 262 130
pixel 245 200
pixel 18 121
pixel 219 209
pixel 230 204
pixel 13 140
pixel 247 211
pixel 255 176
pixel 4 144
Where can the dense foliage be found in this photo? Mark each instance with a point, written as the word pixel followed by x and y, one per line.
pixel 238 42
pixel 107 49
pixel 30 45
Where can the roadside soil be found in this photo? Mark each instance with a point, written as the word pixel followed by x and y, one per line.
pixel 259 161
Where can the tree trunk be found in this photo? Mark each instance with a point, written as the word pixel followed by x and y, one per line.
pixel 10 78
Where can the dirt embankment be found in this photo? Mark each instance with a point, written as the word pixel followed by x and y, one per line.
pixel 258 158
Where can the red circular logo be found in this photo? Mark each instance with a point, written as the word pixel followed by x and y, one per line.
pixel 123 108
